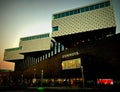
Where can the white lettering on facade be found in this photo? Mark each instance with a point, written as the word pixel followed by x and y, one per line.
pixel 70 54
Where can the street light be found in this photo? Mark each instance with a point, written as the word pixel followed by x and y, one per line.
pixel 34 72
pixel 22 78
pixel 41 77
pixel 82 76
pixel 34 79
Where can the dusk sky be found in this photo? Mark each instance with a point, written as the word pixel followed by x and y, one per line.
pixel 21 18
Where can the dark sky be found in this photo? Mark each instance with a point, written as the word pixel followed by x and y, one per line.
pixel 20 18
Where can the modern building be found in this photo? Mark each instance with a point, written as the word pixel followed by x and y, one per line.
pixel 82 48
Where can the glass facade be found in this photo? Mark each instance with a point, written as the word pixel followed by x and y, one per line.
pixel 81 10
pixel 13 49
pixel 35 37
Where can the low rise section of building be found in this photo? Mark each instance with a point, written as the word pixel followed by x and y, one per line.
pixel 99 59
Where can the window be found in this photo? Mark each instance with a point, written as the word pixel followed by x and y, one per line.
pixel 55 16
pixel 107 3
pixel 82 10
pixel 55 50
pixel 63 14
pixel 97 6
pixel 46 56
pixel 75 11
pixel 54 28
pixel 101 5
pixel 67 13
pixel 78 10
pixel 91 7
pixel 71 64
pixel 86 8
pixel 58 16
pixel 59 47
pixel 51 53
pixel 71 12
pixel 62 47
pixel 43 57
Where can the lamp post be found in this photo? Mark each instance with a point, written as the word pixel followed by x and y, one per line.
pixel 34 72
pixel 83 76
pixel 41 77
pixel 22 79
pixel 34 79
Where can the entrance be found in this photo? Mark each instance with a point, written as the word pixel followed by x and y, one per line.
pixel 76 82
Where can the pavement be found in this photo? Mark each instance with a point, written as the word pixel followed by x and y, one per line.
pixel 59 89
pixel 71 88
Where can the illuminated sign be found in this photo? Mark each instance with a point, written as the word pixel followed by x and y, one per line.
pixel 105 81
pixel 70 54
pixel 71 64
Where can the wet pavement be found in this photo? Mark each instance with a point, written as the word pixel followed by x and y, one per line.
pixel 57 89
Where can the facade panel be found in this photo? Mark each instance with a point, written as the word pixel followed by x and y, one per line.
pixel 85 21
pixel 13 54
pixel 35 45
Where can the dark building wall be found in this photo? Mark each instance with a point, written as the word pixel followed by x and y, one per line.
pixel 51 68
pixel 100 59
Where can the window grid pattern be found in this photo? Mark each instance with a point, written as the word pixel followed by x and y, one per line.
pixel 97 19
pixel 35 37
pixel 80 10
pixel 13 49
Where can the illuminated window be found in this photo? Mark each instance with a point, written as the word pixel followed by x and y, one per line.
pixel 46 56
pixel 62 47
pixel 71 64
pixel 43 57
pixel 51 53
pixel 55 50
pixel 59 47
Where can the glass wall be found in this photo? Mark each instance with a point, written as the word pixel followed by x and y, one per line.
pixel 81 10
pixel 35 37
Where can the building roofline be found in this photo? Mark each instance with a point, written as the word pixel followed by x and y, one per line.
pixel 35 37
pixel 81 7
